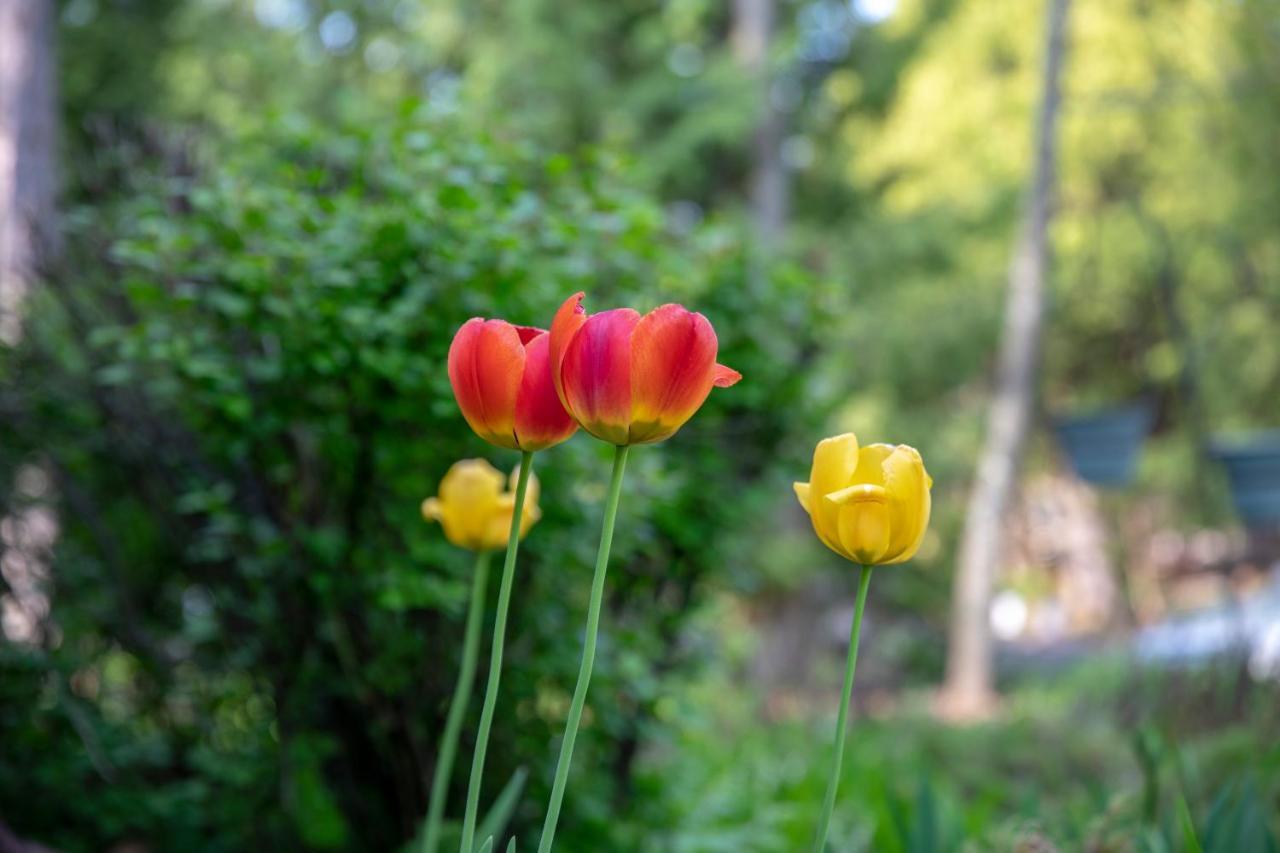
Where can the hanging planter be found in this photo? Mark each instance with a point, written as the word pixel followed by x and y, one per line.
pixel 1253 470
pixel 1103 446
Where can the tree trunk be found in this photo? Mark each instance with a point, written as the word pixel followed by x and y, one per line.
pixel 753 22
pixel 969 689
pixel 28 128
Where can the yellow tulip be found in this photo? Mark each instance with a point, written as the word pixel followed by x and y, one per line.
pixel 869 505
pixel 474 510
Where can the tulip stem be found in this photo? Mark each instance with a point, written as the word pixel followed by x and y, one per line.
pixel 842 719
pixel 588 653
pixel 495 658
pixel 458 705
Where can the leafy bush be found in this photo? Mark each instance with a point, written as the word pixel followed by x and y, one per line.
pixel 235 383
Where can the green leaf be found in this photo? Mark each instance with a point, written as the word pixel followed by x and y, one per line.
pixel 1190 843
pixel 314 808
pixel 495 822
pixel 1238 821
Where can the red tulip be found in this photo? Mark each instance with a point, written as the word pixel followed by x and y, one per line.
pixel 501 377
pixel 628 379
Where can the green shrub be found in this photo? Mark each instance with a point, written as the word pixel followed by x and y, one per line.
pixel 236 384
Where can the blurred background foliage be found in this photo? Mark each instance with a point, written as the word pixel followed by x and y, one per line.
pixel 231 388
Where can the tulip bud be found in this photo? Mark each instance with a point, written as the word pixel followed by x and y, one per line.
pixel 632 379
pixel 501 377
pixel 869 505
pixel 474 510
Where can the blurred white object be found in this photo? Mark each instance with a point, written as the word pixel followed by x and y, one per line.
pixel 1008 614
pixel 1264 663
pixel 874 11
pixel 1251 627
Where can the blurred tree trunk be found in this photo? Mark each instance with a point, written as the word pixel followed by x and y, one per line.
pixel 969 689
pixel 753 24
pixel 27 133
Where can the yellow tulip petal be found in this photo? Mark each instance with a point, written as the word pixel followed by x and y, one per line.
pixel 870 504
pixel 871 461
pixel 531 516
pixel 859 492
pixel 923 515
pixel 498 526
pixel 468 497
pixel 431 509
pixel 802 494
pixel 531 492
pixel 909 502
pixel 470 480
pixel 864 526
pixel 834 461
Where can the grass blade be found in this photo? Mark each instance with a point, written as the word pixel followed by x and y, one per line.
pixel 495 822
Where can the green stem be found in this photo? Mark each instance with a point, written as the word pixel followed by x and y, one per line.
pixel 458 705
pixel 842 720
pixel 495 658
pixel 588 653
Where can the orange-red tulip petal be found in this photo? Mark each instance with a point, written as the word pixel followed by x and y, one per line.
pixel 596 374
pixel 629 379
pixel 570 317
pixel 501 377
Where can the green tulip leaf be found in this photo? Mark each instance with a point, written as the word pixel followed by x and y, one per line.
pixel 495 822
pixel 1190 842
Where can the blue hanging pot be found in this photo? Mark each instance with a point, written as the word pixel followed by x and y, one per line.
pixel 1253 470
pixel 1103 446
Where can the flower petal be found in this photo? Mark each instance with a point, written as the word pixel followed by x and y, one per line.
pixel 864 526
pixel 907 485
pixel 857 493
pixel 673 359
pixel 802 494
pixel 469 496
pixel 497 527
pixel 431 509
pixel 724 377
pixel 531 515
pixel 569 318
pixel 540 419
pixel 871 461
pixel 486 365
pixel 596 374
pixel 528 333
pixel 834 461
pixel 532 492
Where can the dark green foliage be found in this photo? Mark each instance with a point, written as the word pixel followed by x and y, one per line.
pixel 1055 771
pixel 236 383
pixel 234 386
